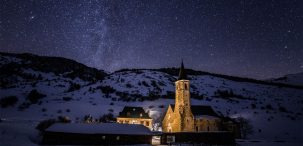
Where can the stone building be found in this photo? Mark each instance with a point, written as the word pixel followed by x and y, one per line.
pixel 135 115
pixel 183 117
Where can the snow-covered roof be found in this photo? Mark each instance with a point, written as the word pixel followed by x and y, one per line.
pixel 133 112
pixel 102 128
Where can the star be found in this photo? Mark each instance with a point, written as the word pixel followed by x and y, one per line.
pixel 32 17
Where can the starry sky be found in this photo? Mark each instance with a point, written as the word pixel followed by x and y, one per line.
pixel 249 38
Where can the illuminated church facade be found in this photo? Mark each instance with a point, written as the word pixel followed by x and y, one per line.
pixel 183 117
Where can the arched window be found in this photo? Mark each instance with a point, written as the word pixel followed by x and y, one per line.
pixel 185 86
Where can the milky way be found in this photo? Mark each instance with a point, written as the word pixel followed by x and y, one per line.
pixel 257 39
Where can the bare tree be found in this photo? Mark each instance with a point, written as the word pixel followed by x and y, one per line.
pixel 246 127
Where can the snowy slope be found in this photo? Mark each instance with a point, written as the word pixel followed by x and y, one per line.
pixel 292 79
pixel 275 110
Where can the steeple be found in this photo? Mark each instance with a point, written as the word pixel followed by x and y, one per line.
pixel 182 74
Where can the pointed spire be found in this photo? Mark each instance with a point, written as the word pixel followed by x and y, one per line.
pixel 182 74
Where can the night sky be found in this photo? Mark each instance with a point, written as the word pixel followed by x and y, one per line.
pixel 257 39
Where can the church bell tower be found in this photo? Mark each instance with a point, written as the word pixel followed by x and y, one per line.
pixel 182 101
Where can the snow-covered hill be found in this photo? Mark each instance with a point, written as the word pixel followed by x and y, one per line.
pixel 67 88
pixel 292 79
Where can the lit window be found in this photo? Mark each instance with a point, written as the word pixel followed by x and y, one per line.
pixel 103 137
pixel 118 137
pixel 141 114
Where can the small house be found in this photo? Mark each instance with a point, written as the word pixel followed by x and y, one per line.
pixel 135 115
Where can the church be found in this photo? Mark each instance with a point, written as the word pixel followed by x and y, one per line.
pixel 184 117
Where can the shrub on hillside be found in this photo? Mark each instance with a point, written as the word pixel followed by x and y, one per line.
pixel 106 90
pixel 8 101
pixel 73 87
pixel 224 93
pixel 111 110
pixel 152 95
pixel 24 105
pixel 145 83
pixel 34 96
pixel 282 109
pixel 197 96
pixel 43 109
pixel 161 106
pixel 228 94
pixel 128 85
pixel 154 84
pixel 253 106
pixel 67 98
pixel 107 118
pixel 123 96
pixel 269 107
